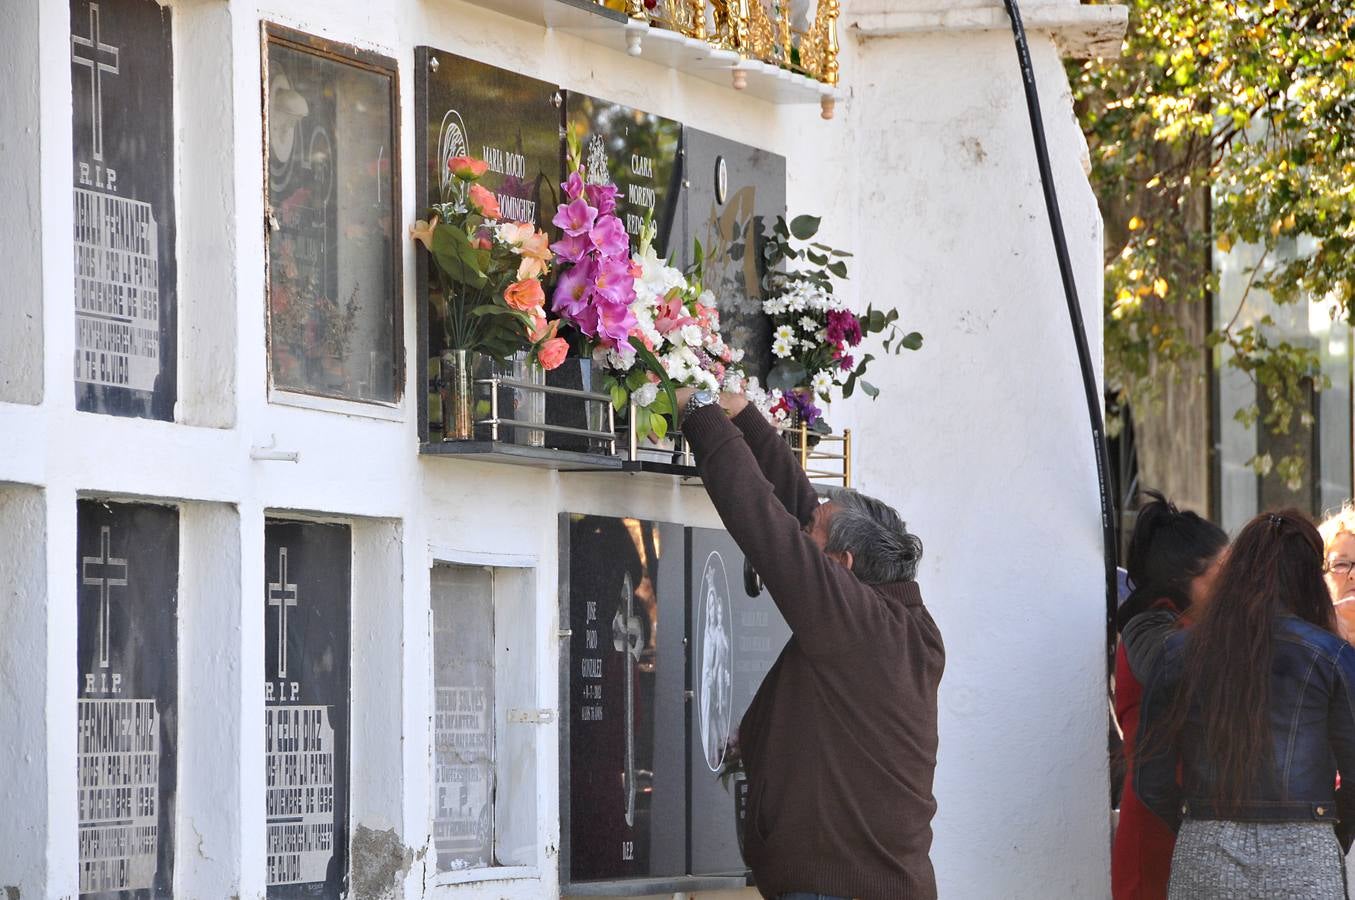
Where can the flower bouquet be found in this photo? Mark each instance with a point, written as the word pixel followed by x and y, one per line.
pixel 487 295
pixel 815 336
pixel 649 326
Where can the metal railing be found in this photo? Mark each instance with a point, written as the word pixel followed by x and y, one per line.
pixel 812 454
pixel 496 421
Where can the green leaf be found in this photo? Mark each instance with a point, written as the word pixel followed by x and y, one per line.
pixel 620 397
pixel 805 227
pixel 912 341
pixel 455 256
pixel 658 424
pixel 661 405
pixel 780 227
pixel 838 268
pixel 818 259
pixel 786 375
pixel 870 390
pixel 649 359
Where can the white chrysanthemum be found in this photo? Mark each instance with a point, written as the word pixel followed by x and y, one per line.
pixel 692 336
pixel 808 344
pixel 706 380
pixel 809 324
pixel 646 394
pixel 782 348
pixel 736 355
pixel 822 382
pixel 784 333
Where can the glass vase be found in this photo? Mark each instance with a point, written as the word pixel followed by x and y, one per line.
pixel 458 394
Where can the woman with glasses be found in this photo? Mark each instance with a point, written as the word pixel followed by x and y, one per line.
pixel 1338 540
pixel 1254 707
pixel 1173 556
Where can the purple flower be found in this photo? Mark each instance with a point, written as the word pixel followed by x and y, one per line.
pixel 603 196
pixel 572 247
pixel 615 321
pixel 573 186
pixel 843 327
pixel 610 237
pixel 614 282
pixel 572 291
pixel 803 405
pixel 845 362
pixel 576 217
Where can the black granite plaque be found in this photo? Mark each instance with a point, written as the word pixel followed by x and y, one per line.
pixel 639 153
pixel 307 604
pixel 735 639
pixel 127 569
pixel 734 194
pixel 122 77
pixel 469 108
pixel 623 791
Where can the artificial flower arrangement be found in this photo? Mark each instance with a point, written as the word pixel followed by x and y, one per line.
pixel 489 272
pixel 814 335
pixel 652 329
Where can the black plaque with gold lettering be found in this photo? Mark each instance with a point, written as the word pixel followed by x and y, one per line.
pixel 122 76
pixel 127 569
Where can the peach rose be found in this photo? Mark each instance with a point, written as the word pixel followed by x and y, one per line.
pixel 484 202
pixel 531 267
pixel 553 353
pixel 467 168
pixel 537 246
pixel 525 295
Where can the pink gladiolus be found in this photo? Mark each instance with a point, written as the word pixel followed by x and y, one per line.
pixel 572 248
pixel 615 320
pixel 572 291
pixel 575 218
pixel 602 196
pixel 614 282
pixel 610 237
pixel 573 186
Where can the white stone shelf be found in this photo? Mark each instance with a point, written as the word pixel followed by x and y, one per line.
pixel 1081 31
pixel 593 23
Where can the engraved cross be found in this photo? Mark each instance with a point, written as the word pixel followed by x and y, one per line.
pixel 105 572
pixel 282 595
pixel 99 58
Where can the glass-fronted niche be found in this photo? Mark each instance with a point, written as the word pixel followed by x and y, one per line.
pixel 332 183
pixel 1325 446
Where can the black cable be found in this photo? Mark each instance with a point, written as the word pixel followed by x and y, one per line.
pixel 1084 356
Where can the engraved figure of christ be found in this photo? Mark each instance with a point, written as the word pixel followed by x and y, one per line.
pixel 99 58
pixel 104 572
pixel 282 595
pixel 627 638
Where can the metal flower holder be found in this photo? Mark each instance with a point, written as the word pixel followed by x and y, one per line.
pixel 600 414
pixel 809 449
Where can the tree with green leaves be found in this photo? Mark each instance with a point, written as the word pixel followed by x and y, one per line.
pixel 1225 131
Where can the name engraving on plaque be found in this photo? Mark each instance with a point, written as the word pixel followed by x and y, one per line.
pixel 118 758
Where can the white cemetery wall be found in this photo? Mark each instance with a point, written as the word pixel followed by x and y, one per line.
pixel 926 174
pixel 21 213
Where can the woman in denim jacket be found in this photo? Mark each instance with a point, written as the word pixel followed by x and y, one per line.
pixel 1256 706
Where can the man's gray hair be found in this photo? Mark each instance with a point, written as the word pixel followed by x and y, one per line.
pixel 882 550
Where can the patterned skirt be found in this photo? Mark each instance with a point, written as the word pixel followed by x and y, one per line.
pixel 1223 860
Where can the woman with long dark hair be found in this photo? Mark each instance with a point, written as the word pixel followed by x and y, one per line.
pixel 1256 706
pixel 1172 558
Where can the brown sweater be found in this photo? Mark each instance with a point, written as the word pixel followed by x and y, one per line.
pixel 840 742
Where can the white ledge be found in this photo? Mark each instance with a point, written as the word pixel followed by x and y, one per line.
pixel 1082 32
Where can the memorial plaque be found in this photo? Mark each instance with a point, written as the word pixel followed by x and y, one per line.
pixel 307 605
pixel 623 785
pixel 734 194
pixel 127 568
pixel 122 84
pixel 334 242
pixel 463 720
pixel 469 108
pixel 639 153
pixel 735 639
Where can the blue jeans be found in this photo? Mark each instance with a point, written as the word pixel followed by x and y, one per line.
pixel 806 895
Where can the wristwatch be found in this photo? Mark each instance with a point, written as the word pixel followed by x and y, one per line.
pixel 697 400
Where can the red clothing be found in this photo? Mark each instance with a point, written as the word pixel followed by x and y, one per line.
pixel 1141 858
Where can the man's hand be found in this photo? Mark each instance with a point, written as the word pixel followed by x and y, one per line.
pixel 732 404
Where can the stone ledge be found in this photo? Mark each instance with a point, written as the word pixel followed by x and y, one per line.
pixel 1081 32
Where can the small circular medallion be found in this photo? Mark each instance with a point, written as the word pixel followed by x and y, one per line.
pixel 721 180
